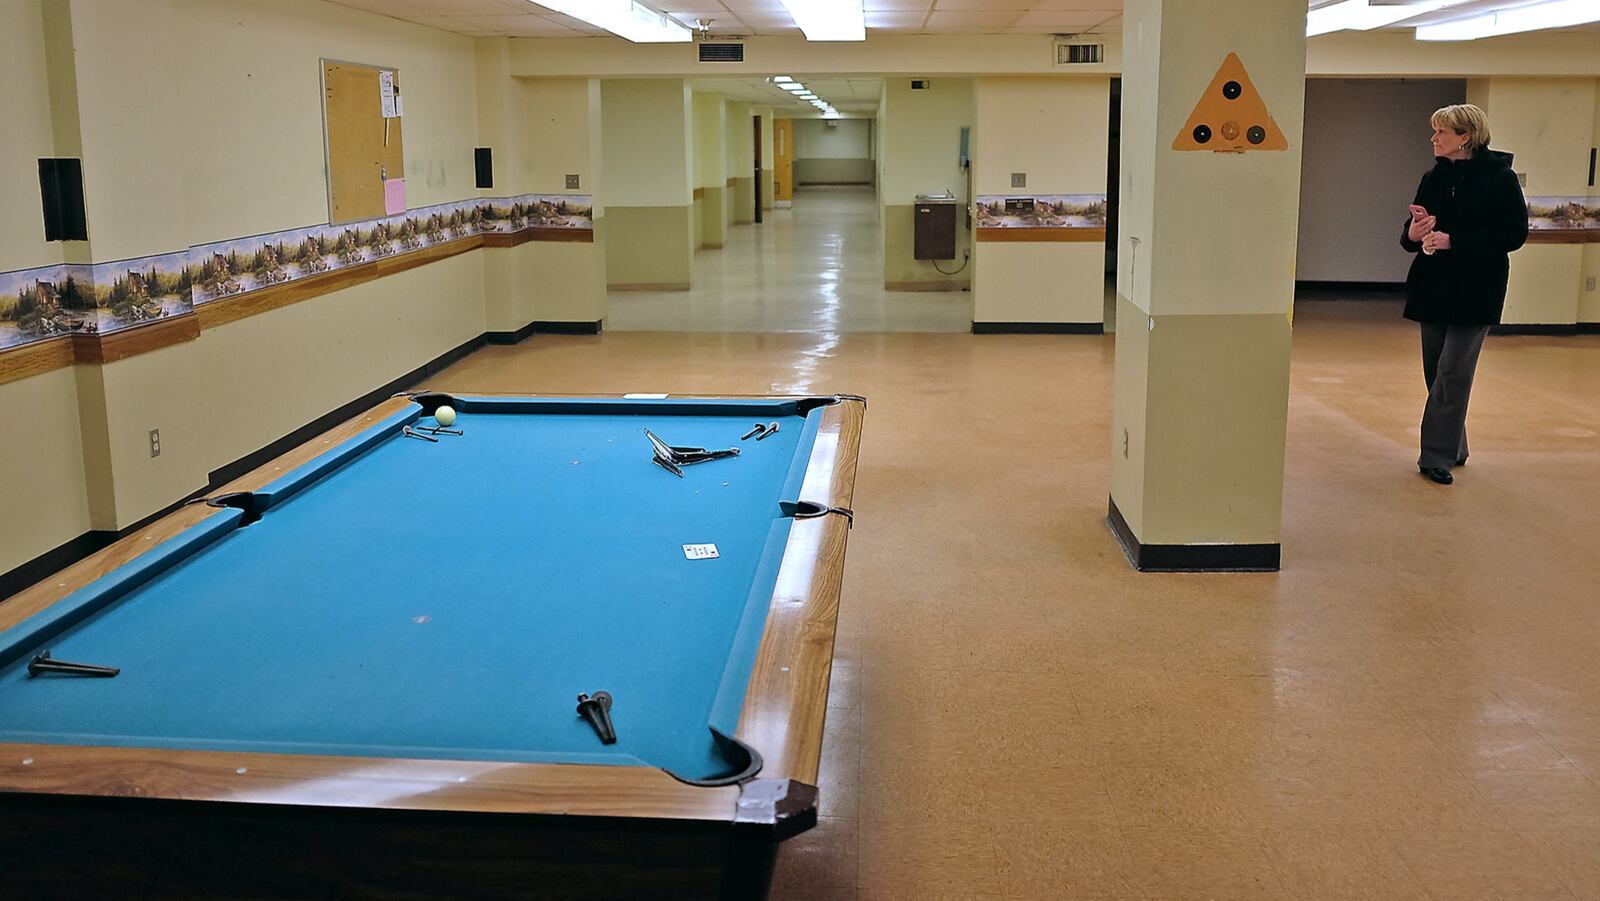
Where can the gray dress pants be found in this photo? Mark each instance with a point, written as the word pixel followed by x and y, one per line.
pixel 1449 359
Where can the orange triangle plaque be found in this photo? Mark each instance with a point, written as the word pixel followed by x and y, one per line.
pixel 1231 117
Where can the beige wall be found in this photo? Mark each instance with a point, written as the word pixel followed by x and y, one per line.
pixel 647 130
pixel 1589 298
pixel 1371 133
pixel 920 152
pixel 25 110
pixel 1054 130
pixel 1549 123
pixel 710 169
pixel 248 79
pixel 563 121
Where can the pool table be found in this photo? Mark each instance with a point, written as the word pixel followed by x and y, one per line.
pixel 354 672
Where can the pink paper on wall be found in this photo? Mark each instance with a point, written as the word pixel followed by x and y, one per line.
pixel 394 196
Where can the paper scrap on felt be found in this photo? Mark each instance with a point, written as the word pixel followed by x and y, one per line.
pixel 394 196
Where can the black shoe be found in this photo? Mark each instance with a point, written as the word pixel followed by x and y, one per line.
pixel 1438 474
pixel 1462 462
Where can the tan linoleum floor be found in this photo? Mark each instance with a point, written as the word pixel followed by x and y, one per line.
pixel 1410 709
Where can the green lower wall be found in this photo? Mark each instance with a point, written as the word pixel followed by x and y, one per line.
pixel 649 246
pixel 744 200
pixel 903 272
pixel 1203 401
pixel 712 209
pixel 834 172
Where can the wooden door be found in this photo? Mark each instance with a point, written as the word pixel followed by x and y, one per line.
pixel 783 161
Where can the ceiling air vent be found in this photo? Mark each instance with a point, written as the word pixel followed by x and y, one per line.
pixel 725 52
pixel 1079 54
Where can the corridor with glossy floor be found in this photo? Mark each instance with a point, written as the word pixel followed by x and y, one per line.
pixel 817 266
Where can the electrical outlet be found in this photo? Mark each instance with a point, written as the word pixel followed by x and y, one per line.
pixel 155 442
pixel 1019 179
pixel 572 182
pixel 1588 283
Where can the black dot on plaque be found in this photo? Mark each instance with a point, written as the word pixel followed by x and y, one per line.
pixel 1256 134
pixel 1232 90
pixel 1202 134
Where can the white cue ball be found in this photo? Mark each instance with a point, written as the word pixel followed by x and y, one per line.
pixel 445 416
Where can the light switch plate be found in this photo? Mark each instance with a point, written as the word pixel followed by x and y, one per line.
pixel 572 182
pixel 1019 179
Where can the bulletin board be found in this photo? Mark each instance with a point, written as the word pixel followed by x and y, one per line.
pixel 362 111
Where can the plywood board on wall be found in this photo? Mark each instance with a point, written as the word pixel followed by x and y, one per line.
pixel 363 143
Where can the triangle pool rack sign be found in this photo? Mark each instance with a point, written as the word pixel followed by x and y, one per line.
pixel 1231 117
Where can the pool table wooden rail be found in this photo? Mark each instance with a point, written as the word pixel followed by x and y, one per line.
pixel 782 717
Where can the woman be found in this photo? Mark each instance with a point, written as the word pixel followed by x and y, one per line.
pixel 1468 215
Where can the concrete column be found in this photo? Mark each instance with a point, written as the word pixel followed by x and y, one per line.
pixel 508 296
pixel 920 154
pixel 1549 123
pixel 1042 278
pixel 741 155
pixel 1205 287
pixel 647 126
pixel 710 170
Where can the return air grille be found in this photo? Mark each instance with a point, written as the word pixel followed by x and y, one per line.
pixel 722 53
pixel 1079 54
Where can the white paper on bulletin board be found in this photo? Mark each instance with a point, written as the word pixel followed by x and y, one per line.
pixel 386 95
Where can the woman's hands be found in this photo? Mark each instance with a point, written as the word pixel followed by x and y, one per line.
pixel 1422 224
pixel 1435 241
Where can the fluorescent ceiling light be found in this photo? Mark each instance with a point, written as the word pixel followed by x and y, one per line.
pixel 1359 15
pixel 793 87
pixel 781 79
pixel 1555 14
pixel 623 18
pixel 829 20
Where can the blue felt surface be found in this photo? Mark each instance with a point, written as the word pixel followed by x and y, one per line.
pixel 451 600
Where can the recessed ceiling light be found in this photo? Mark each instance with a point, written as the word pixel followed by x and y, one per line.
pixel 623 18
pixel 829 20
pixel 1361 15
pixel 1554 14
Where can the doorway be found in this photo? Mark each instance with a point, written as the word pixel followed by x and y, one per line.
pixel 757 122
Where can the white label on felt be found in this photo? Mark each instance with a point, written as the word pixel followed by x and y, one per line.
pixel 700 551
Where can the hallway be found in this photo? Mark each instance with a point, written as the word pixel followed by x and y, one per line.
pixel 816 266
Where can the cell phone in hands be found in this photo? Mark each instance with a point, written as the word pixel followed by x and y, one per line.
pixel 1417 212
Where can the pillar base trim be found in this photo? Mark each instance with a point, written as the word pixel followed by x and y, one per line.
pixel 565 327
pixel 649 286
pixel 516 337
pixel 1038 328
pixel 1191 558
pixel 1551 328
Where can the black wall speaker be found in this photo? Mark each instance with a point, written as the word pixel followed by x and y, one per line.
pixel 61 189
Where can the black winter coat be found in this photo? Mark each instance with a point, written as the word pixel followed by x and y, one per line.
pixel 1480 206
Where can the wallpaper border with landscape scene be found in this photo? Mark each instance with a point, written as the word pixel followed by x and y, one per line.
pixel 1568 214
pixel 1040 211
pixel 46 302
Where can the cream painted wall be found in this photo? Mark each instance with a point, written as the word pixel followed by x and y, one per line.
pixel 1055 131
pixel 741 147
pixel 249 78
pixel 43 499
pixel 25 110
pixel 1366 147
pixel 1549 123
pixel 646 130
pixel 710 149
pixel 847 139
pixel 250 73
pixel 564 135
pixel 922 139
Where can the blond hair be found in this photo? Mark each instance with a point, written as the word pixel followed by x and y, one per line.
pixel 1466 120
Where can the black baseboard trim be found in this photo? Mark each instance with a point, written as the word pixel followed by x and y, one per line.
pixel 1191 558
pixel 1531 328
pixel 516 337
pixel 1351 287
pixel 545 327
pixel 1038 328
pixel 91 542
pixel 88 543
